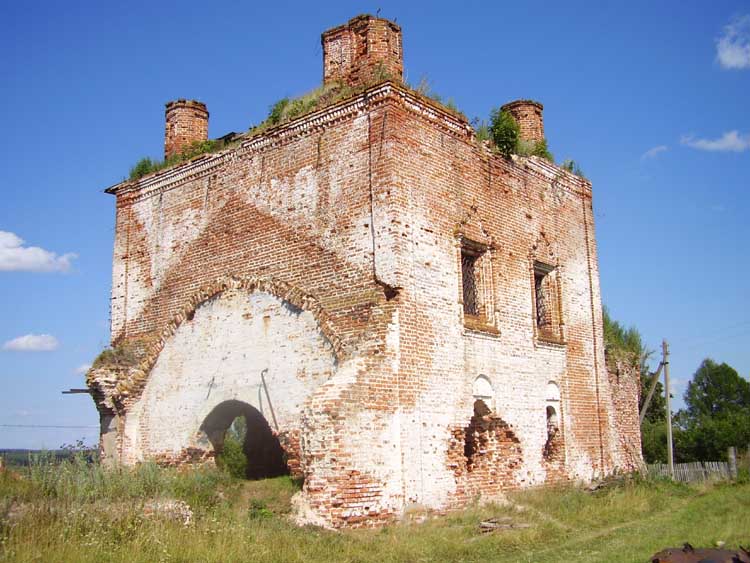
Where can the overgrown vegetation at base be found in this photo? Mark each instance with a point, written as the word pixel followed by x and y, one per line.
pixel 77 512
pixel 232 458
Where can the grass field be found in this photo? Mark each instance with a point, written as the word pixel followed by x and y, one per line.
pixel 73 511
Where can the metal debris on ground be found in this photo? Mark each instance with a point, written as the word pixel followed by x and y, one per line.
pixel 688 554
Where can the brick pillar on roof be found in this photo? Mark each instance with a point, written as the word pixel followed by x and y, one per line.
pixel 364 50
pixel 186 122
pixel 528 114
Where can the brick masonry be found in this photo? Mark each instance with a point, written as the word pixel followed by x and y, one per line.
pixel 362 49
pixel 528 115
pixel 327 252
pixel 186 122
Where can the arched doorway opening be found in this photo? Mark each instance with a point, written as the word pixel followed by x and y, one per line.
pixel 262 449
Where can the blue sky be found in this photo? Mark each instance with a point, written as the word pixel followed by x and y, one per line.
pixel 649 97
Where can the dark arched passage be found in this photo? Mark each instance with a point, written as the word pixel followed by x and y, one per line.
pixel 265 456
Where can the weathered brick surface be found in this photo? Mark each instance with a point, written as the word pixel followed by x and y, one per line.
pixel 624 382
pixel 327 251
pixel 528 115
pixel 186 122
pixel 362 49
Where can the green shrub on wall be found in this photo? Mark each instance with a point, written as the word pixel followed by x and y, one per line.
pixel 506 134
pixel 504 131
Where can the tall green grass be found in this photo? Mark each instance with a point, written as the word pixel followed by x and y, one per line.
pixel 79 480
pixel 78 511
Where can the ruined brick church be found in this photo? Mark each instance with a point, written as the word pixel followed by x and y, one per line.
pixel 402 316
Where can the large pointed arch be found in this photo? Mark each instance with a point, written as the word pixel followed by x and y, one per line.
pixel 130 388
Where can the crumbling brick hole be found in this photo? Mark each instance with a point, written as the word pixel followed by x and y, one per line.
pixel 487 437
pixel 554 438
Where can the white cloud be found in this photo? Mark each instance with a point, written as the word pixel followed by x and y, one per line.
pixel 654 152
pixel 82 369
pixel 32 343
pixel 15 257
pixel 731 141
pixel 733 46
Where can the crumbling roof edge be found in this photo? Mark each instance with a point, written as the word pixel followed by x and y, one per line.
pixel 312 119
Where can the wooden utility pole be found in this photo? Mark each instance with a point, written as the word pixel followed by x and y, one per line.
pixel 665 361
pixel 651 389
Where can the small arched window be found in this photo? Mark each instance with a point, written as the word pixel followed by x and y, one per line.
pixel 552 408
pixel 482 387
pixel 552 423
pixel 482 390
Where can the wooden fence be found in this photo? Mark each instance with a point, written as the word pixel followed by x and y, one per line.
pixel 689 472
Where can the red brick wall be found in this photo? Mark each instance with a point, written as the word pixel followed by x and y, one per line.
pixel 364 209
pixel 625 382
pixel 530 119
pixel 363 49
pixel 186 123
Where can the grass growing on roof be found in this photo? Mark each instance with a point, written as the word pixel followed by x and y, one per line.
pixel 147 166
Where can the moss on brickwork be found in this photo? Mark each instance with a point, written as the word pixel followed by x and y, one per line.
pixel 125 355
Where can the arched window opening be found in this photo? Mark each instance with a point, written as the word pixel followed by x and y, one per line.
pixel 553 406
pixel 552 424
pixel 553 442
pixel 482 390
pixel 225 425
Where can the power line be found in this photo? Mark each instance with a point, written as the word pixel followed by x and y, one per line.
pixel 43 426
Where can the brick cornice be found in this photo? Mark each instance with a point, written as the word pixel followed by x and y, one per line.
pixel 135 190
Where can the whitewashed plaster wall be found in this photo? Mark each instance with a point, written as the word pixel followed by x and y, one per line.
pixel 218 356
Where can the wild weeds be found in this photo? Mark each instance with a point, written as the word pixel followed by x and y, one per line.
pixel 79 511
pixel 81 480
pixel 147 166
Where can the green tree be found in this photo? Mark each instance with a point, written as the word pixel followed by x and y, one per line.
pixel 717 414
pixel 232 457
pixel 626 344
pixel 504 131
pixel 654 441
pixel 716 389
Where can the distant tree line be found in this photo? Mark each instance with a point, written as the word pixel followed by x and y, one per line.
pixel 717 404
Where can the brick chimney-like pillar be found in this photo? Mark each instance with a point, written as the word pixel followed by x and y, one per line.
pixel 528 114
pixel 186 123
pixel 364 50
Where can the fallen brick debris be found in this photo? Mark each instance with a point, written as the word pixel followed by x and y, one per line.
pixel 504 523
